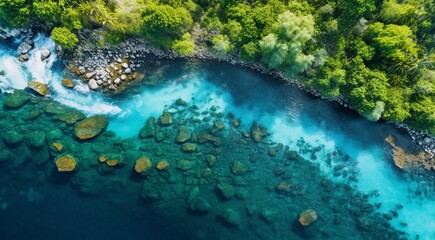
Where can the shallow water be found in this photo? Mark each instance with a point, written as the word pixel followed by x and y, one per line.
pixel 102 203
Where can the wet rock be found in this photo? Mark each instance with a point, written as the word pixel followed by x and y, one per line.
pixel 142 165
pixel 37 139
pixel 183 134
pixel 211 160
pixel 16 99
pixel 93 84
pixel 219 125
pixel 200 205
pixel 226 190
pixel 128 71
pixel 206 172
pixel 24 48
pixel 257 132
pixel 232 217
pixel 238 168
pixel 90 127
pixel 54 134
pixel 185 165
pixel 66 163
pixel 292 155
pixel 66 82
pixel 23 57
pixel 165 119
pixel 206 137
pixel 45 53
pixel 235 122
pixel 189 147
pixel 162 165
pixel 38 87
pixel 365 222
pixel 307 217
pixel 149 129
pixel 90 75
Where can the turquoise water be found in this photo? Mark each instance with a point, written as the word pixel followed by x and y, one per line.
pixel 355 197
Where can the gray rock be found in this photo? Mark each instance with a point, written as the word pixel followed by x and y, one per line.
pixel 117 81
pixel 128 71
pixel 24 48
pixel 125 65
pixel 90 75
pixel 45 53
pixel 93 84
pixel 23 57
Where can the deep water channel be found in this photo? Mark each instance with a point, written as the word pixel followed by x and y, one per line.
pixel 226 178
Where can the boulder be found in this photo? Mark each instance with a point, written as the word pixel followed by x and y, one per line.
pixel 56 147
pixel 38 87
pixel 162 165
pixel 66 163
pixel 111 159
pixel 24 48
pixel 226 190
pixel 185 165
pixel 238 168
pixel 199 205
pixel 142 165
pixel 23 57
pixel 45 53
pixel 211 160
pixel 90 75
pixel 189 147
pixel 16 99
pixel 37 139
pixel 149 130
pixel 183 134
pixel 13 137
pixel 66 82
pixel 165 119
pixel 257 132
pixel 180 102
pixel 284 187
pixel 307 217
pixel 231 216
pixel 93 84
pixel 90 127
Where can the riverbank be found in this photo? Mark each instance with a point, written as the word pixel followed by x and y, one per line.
pixel 88 57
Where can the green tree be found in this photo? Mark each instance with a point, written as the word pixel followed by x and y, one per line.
pixel 351 11
pixel 48 11
pixel 185 45
pixel 222 45
pixel 15 13
pixel 64 38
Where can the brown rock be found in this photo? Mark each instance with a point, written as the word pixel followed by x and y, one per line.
pixel 57 146
pixel 38 87
pixel 307 217
pixel 66 163
pixel 142 165
pixel 90 127
pixel 162 165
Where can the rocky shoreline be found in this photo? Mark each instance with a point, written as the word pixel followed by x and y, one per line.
pixel 113 68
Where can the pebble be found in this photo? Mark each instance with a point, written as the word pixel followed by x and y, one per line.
pixel 117 81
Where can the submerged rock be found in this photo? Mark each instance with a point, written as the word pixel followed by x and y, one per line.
pixel 183 134
pixel 185 165
pixel 149 130
pixel 38 87
pixel 162 165
pixel 66 163
pixel 13 137
pixel 16 99
pixel 111 159
pixel 200 205
pixel 307 217
pixel 37 139
pixel 238 168
pixel 189 147
pixel 226 190
pixel 142 165
pixel 165 119
pixel 57 147
pixel 66 82
pixel 257 132
pixel 90 127
pixel 232 217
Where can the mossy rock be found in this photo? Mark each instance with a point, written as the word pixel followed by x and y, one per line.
pixel 90 127
pixel 142 165
pixel 16 99
pixel 166 119
pixel 162 165
pixel 111 159
pixel 307 217
pixel 257 132
pixel 66 82
pixel 13 137
pixel 238 168
pixel 66 163
pixel 226 190
pixel 183 135
pixel 185 165
pixel 232 217
pixel 38 87
pixel 189 147
pixel 149 130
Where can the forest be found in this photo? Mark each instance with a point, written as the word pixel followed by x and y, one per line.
pixel 377 54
